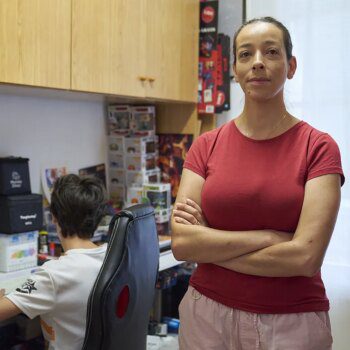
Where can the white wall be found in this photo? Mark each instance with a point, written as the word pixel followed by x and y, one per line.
pixel 51 128
pixel 318 94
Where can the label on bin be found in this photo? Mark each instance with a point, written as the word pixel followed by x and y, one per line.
pixel 16 181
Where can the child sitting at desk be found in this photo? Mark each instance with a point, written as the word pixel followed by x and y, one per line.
pixel 58 292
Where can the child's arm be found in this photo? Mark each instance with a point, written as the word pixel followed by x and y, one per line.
pixel 35 297
pixel 7 308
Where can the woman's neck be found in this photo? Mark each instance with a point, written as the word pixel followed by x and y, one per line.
pixel 262 115
pixel 264 120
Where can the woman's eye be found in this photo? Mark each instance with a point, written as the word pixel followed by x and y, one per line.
pixel 244 54
pixel 272 51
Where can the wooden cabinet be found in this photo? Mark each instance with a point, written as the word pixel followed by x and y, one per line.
pixel 35 42
pixel 138 48
pixel 108 46
pixel 164 48
pixel 131 48
pixel 189 50
pixel 172 57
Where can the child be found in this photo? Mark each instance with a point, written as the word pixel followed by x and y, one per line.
pixel 58 292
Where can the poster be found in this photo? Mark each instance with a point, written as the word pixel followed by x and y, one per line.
pixel 172 153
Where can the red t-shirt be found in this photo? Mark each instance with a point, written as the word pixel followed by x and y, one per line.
pixel 256 185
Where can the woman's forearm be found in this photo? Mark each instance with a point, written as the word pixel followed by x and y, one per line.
pixel 206 245
pixel 286 259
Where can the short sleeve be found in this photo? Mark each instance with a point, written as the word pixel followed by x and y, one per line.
pixel 196 158
pixel 324 158
pixel 36 296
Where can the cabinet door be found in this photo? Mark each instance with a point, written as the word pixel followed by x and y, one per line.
pixel 164 48
pixel 189 50
pixel 35 42
pixel 172 49
pixel 108 46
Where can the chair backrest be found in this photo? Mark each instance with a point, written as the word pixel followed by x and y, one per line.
pixel 120 301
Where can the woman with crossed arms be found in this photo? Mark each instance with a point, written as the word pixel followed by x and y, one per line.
pixel 256 208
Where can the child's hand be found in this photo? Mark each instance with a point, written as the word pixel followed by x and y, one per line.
pixel 189 213
pixel 2 292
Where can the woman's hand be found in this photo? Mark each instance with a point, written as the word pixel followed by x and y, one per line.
pixel 189 213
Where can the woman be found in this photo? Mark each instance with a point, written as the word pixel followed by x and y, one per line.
pixel 256 208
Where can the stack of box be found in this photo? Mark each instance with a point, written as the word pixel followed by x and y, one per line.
pixel 119 118
pixel 116 168
pixel 132 149
pixel 21 216
pixel 141 157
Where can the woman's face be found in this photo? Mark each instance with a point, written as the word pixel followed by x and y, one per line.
pixel 261 66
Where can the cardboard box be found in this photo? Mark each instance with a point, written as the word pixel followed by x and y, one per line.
pixel 116 144
pixel 117 193
pixel 162 216
pixel 118 122
pixel 116 161
pixel 158 195
pixel 140 145
pixel 116 177
pixel 143 120
pixel 134 195
pixel 138 178
pixel 140 162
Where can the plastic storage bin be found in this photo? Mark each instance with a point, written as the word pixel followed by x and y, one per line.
pixel 14 176
pixel 21 213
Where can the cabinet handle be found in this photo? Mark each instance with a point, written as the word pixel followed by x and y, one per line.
pixel 142 78
pixel 151 80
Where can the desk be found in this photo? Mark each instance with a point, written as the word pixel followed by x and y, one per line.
pixel 167 260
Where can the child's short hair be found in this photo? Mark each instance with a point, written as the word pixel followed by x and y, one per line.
pixel 78 205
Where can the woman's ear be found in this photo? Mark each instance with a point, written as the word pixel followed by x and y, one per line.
pixel 292 67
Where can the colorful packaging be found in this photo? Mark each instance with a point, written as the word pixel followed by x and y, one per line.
pixel 140 145
pixel 223 74
pixel 118 122
pixel 18 251
pixel 138 178
pixel 143 120
pixel 207 70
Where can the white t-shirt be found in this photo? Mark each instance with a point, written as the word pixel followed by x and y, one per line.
pixel 59 292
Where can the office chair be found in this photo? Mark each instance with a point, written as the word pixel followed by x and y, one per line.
pixel 120 301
